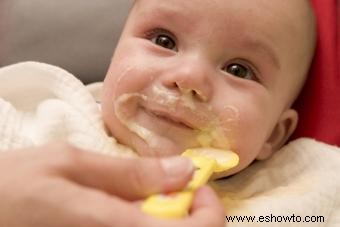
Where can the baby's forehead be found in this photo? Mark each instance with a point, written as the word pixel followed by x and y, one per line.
pixel 213 6
pixel 278 12
pixel 167 7
pixel 257 15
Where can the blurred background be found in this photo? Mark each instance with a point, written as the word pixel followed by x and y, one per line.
pixel 77 35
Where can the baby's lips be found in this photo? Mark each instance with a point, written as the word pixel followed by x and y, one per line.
pixel 201 118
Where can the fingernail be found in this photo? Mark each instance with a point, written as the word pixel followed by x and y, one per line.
pixel 177 166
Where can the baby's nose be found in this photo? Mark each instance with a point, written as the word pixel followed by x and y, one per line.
pixel 191 79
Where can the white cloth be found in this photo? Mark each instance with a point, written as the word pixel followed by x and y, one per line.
pixel 301 179
pixel 40 103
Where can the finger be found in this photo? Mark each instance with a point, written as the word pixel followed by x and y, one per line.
pixel 69 204
pixel 129 178
pixel 207 209
pixel 94 208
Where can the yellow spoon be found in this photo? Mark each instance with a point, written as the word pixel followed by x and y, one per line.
pixel 176 204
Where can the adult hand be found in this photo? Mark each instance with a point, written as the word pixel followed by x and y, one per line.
pixel 58 185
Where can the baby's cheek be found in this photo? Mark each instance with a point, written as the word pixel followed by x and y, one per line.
pixel 249 136
pixel 250 144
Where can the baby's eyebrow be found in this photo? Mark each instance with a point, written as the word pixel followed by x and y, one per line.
pixel 262 47
pixel 172 13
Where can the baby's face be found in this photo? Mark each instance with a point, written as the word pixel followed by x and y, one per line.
pixel 205 73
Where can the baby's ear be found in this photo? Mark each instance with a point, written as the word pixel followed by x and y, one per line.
pixel 281 132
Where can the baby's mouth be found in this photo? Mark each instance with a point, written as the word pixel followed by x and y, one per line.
pixel 152 119
pixel 179 112
pixel 155 120
pixel 170 119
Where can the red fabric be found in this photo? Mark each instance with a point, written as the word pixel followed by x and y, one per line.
pixel 319 103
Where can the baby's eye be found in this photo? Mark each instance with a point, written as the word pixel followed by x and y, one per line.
pixel 240 71
pixel 164 41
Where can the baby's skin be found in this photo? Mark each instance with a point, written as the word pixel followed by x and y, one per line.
pixel 188 74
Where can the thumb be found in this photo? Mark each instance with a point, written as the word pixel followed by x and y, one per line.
pixel 131 179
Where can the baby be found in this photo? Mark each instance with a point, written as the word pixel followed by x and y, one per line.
pixel 187 74
pixel 209 73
